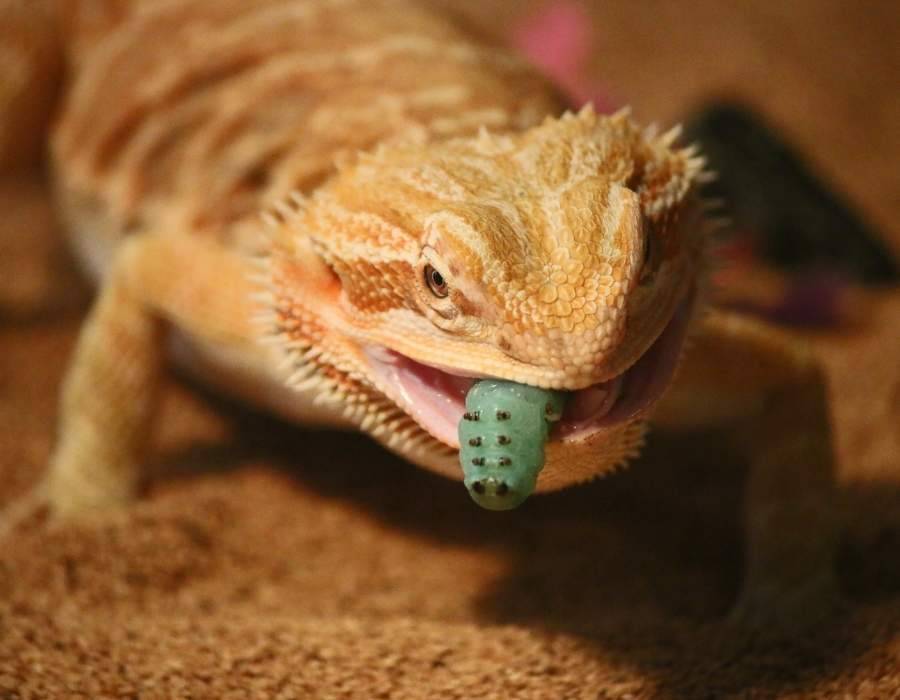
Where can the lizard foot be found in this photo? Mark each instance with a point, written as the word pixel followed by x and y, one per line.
pixel 76 498
pixel 33 505
pixel 53 499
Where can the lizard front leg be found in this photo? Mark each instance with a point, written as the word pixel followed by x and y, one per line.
pixel 770 387
pixel 111 392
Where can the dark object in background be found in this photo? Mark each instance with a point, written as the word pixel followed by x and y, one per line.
pixel 791 218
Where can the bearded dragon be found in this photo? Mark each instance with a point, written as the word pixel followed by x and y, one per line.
pixel 346 211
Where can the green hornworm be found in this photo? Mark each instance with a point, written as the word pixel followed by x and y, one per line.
pixel 501 438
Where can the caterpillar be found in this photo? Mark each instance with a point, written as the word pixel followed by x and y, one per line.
pixel 501 438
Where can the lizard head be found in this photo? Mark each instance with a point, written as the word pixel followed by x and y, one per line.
pixel 564 256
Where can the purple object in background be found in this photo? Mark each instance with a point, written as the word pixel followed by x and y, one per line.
pixel 813 299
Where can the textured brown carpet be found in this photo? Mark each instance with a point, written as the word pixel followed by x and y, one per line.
pixel 271 562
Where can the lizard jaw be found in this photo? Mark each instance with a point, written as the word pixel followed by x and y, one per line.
pixel 435 396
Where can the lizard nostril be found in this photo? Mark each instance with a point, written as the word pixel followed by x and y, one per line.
pixel 478 487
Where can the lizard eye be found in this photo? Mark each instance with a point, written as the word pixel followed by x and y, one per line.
pixel 436 282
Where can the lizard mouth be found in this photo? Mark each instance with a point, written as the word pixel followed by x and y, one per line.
pixel 435 397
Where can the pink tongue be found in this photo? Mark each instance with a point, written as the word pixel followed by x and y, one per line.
pixel 451 385
pixel 435 399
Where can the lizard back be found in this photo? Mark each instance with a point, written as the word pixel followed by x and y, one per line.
pixel 192 116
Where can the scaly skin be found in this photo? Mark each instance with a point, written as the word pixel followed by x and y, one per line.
pixel 274 184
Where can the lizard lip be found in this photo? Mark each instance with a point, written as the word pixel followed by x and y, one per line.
pixel 435 396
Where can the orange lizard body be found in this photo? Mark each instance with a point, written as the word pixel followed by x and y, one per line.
pixel 265 190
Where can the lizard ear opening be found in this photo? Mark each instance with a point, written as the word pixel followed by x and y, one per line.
pixel 317 270
pixel 300 272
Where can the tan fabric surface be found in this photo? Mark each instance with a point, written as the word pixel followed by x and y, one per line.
pixel 269 561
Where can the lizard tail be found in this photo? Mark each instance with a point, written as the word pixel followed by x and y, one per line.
pixel 40 42
pixel 30 73
pixel 31 64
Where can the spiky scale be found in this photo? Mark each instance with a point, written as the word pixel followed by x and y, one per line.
pixel 502 452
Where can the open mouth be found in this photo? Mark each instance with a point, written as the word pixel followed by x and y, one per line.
pixel 435 397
